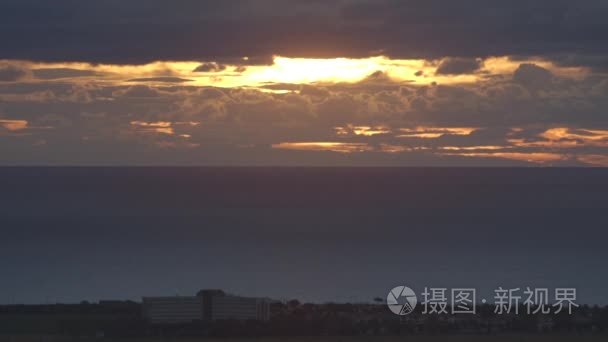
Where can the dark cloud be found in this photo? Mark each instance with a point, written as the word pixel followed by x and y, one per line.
pixel 138 91
pixel 459 66
pixel 210 67
pixel 140 31
pixel 377 76
pixel 595 62
pixel 11 73
pixel 282 86
pixel 532 75
pixel 312 91
pixel 166 79
pixel 247 61
pixel 58 73
pixel 241 63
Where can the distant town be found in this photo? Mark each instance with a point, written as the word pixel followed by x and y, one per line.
pixel 213 312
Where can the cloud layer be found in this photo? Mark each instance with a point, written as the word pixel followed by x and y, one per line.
pixel 530 116
pixel 408 82
pixel 141 31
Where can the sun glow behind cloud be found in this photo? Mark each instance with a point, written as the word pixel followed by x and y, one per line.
pixel 287 71
pixel 367 106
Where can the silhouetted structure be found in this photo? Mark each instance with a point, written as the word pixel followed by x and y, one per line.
pixel 172 310
pixel 207 305
pixel 292 318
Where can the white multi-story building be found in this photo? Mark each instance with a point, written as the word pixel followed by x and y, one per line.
pixel 172 309
pixel 208 306
pixel 239 308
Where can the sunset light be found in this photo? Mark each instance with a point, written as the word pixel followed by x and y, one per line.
pixel 292 94
pixel 303 171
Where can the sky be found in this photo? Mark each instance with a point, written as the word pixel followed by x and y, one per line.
pixel 337 82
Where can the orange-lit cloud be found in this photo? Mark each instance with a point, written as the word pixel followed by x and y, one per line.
pixel 335 108
pixel 600 160
pixel 434 132
pixel 391 148
pixel 367 131
pixel 585 135
pixel 162 127
pixel 564 137
pixel 474 148
pixel 14 125
pixel 531 157
pixel 324 146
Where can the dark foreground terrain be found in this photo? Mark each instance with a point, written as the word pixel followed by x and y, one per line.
pixel 447 338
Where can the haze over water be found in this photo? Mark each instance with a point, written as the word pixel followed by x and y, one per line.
pixel 316 234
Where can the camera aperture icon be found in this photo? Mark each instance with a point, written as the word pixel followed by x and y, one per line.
pixel 401 300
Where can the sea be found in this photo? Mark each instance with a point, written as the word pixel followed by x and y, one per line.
pixel 69 234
